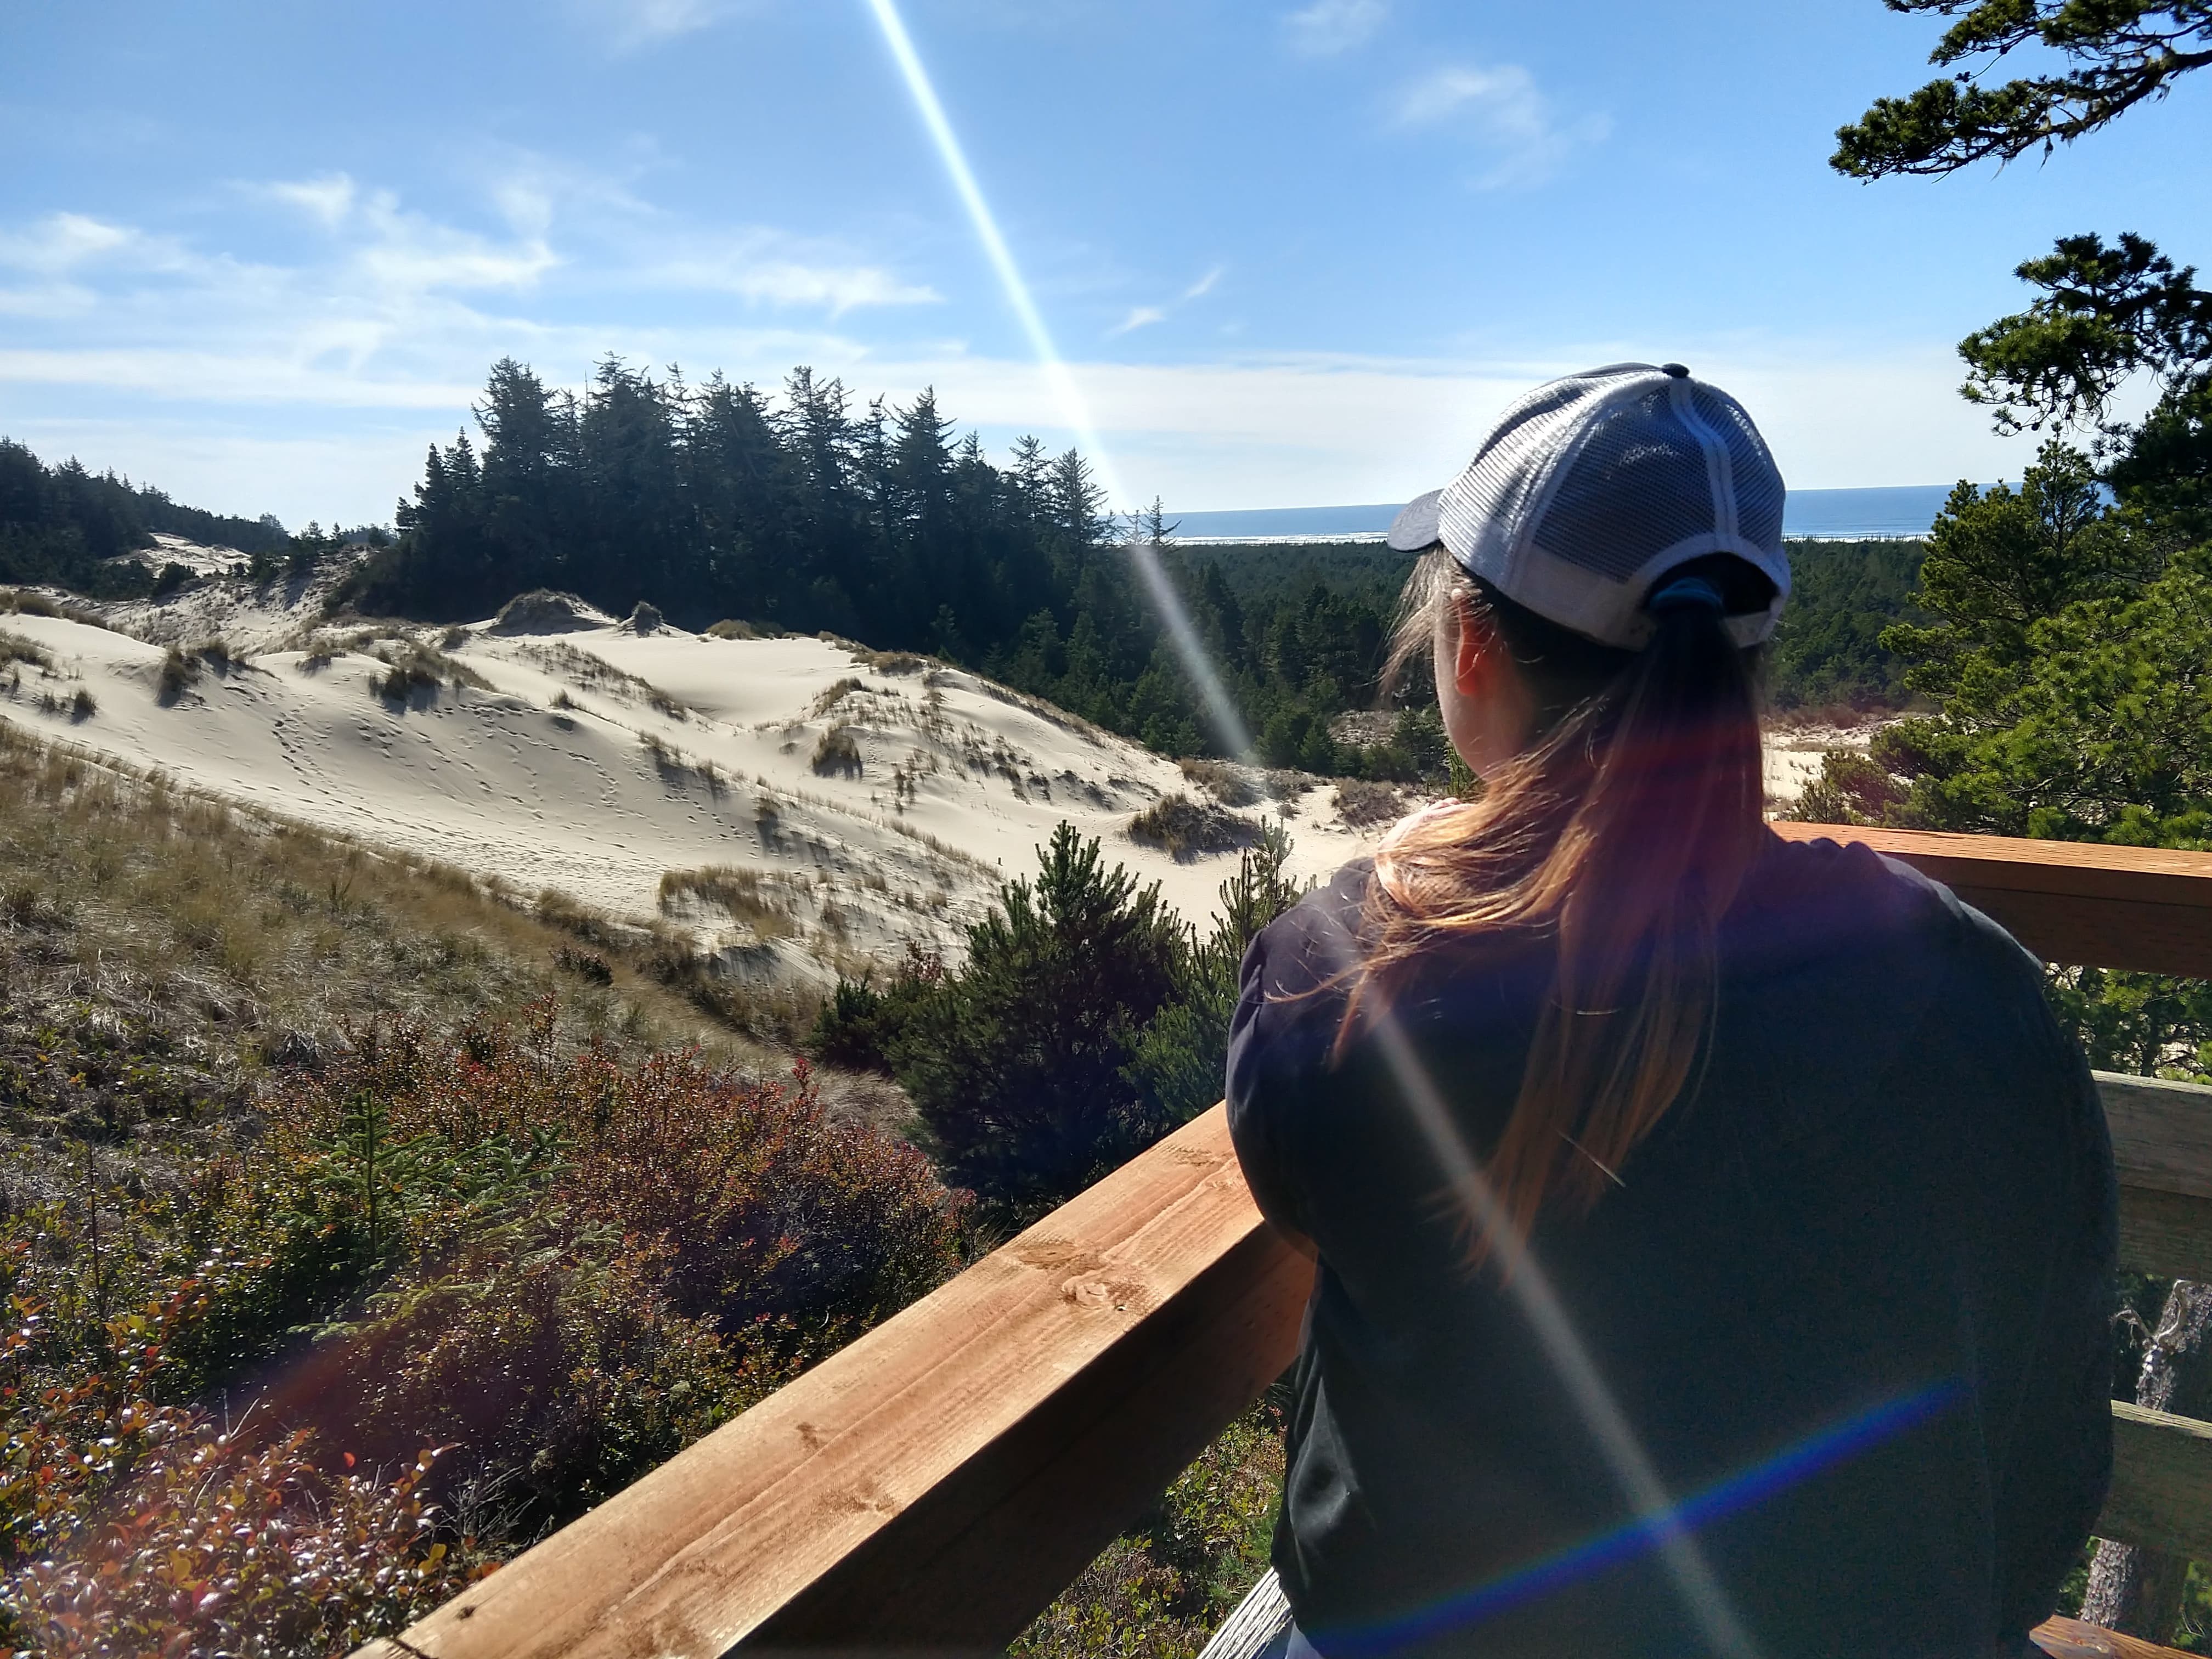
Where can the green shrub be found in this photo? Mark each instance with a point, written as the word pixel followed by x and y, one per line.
pixel 1161 1589
pixel 1851 788
pixel 1017 1065
pixel 859 1026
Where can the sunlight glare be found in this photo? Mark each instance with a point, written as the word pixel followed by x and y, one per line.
pixel 1632 1469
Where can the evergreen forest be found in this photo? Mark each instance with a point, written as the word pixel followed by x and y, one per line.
pixel 810 514
pixel 77 529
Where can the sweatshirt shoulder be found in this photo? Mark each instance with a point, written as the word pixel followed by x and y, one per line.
pixel 1907 938
pixel 1315 940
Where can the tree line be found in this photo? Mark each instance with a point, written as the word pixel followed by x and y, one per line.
pixel 809 512
pixel 74 528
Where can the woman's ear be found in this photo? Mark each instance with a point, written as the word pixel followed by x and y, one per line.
pixel 1477 651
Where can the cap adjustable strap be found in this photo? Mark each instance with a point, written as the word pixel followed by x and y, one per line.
pixel 1685 593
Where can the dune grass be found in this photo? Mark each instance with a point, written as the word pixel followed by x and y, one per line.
pixel 239 929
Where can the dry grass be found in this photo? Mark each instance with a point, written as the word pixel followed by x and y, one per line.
pixel 596 673
pixel 1362 803
pixel 177 671
pixel 837 753
pixel 739 893
pixel 14 647
pixel 23 601
pixel 1186 829
pixel 414 667
pixel 896 662
pixel 1231 785
pixel 118 893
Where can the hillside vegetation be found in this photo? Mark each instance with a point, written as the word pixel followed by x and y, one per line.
pixel 358 1225
pixel 76 529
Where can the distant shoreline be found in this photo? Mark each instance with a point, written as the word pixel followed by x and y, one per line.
pixel 1899 512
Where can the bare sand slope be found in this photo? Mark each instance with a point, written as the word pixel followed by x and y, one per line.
pixel 862 800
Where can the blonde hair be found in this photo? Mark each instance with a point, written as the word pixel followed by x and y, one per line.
pixel 1622 833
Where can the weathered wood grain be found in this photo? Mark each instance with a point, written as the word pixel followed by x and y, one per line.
pixel 2161 1133
pixel 2161 1492
pixel 937 1483
pixel 2070 1639
pixel 2165 1235
pixel 2068 902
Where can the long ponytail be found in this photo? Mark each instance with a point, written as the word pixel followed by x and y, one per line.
pixel 1623 833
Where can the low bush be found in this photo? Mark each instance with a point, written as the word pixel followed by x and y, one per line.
pixel 1362 804
pixel 584 964
pixel 837 753
pixel 128 1527
pixel 177 673
pixel 560 1265
pixel 1185 829
pixel 1230 784
pixel 82 706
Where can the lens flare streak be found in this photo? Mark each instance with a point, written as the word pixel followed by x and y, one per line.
pixel 1656 1515
pixel 1788 1468
pixel 1067 392
pixel 1075 410
pixel 1540 1304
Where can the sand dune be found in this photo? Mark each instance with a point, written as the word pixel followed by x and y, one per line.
pixel 863 800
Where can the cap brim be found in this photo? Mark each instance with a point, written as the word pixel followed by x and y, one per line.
pixel 1415 528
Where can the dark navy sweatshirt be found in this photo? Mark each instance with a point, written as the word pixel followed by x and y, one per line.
pixel 1852 1300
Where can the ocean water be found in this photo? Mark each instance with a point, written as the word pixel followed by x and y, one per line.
pixel 1829 514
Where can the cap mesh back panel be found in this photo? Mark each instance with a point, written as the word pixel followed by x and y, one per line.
pixel 1759 492
pixel 1638 487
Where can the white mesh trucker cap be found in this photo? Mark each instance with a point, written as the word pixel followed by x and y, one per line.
pixel 1591 488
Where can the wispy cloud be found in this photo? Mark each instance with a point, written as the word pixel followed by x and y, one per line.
pixel 1327 28
pixel 372 305
pixel 766 268
pixel 1526 140
pixel 61 241
pixel 1140 317
pixel 328 199
pixel 636 23
pixel 1146 316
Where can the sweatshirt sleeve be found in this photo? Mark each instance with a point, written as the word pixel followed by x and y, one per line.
pixel 2055 1460
pixel 1262 1092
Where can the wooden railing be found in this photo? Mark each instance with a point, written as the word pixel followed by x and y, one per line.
pixel 937 1483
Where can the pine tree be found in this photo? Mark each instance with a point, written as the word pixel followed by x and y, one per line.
pixel 1019 1067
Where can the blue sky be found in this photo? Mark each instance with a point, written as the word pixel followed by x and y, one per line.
pixel 1296 253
